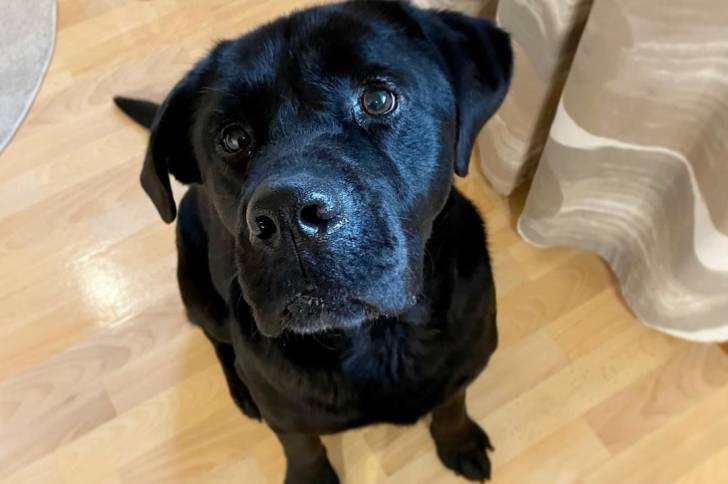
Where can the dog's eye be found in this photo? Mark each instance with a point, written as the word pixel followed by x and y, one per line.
pixel 235 139
pixel 378 101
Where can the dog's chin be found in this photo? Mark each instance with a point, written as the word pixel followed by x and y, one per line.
pixel 307 314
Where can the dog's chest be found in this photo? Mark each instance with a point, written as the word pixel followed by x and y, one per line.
pixel 391 354
pixel 391 374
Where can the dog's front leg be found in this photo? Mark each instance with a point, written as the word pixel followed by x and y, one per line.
pixel 306 459
pixel 461 444
pixel 238 390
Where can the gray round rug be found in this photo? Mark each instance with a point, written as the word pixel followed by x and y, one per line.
pixel 27 38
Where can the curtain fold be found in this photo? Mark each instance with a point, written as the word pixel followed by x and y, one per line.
pixel 545 35
pixel 619 113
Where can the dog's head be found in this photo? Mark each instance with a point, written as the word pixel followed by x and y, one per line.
pixel 326 141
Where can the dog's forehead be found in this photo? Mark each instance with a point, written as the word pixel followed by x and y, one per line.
pixel 359 30
pixel 339 40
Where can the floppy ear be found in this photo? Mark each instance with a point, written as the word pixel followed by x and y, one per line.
pixel 170 148
pixel 479 59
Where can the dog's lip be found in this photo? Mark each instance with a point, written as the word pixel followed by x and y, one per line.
pixel 318 307
pixel 308 299
pixel 309 312
pixel 311 302
pixel 334 302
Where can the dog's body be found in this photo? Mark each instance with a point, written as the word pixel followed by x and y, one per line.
pixel 341 278
pixel 390 371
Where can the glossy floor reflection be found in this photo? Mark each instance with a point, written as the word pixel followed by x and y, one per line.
pixel 102 381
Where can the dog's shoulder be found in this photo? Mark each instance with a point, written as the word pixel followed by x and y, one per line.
pixel 195 220
pixel 189 227
pixel 202 267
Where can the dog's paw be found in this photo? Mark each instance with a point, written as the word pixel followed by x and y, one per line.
pixel 320 474
pixel 467 455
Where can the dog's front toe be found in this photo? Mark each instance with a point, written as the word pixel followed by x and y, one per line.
pixel 322 473
pixel 467 453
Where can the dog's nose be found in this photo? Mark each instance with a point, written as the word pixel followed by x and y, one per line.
pixel 308 206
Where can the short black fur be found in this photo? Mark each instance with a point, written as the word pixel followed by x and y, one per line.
pixel 340 276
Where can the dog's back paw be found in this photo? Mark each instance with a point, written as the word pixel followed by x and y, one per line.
pixel 244 401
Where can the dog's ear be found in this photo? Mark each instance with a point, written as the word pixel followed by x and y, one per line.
pixel 479 59
pixel 170 148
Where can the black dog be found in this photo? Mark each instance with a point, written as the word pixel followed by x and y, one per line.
pixel 322 247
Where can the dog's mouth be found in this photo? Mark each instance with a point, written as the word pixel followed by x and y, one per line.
pixel 309 312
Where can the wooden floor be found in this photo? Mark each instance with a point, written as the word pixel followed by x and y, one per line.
pixel 102 381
